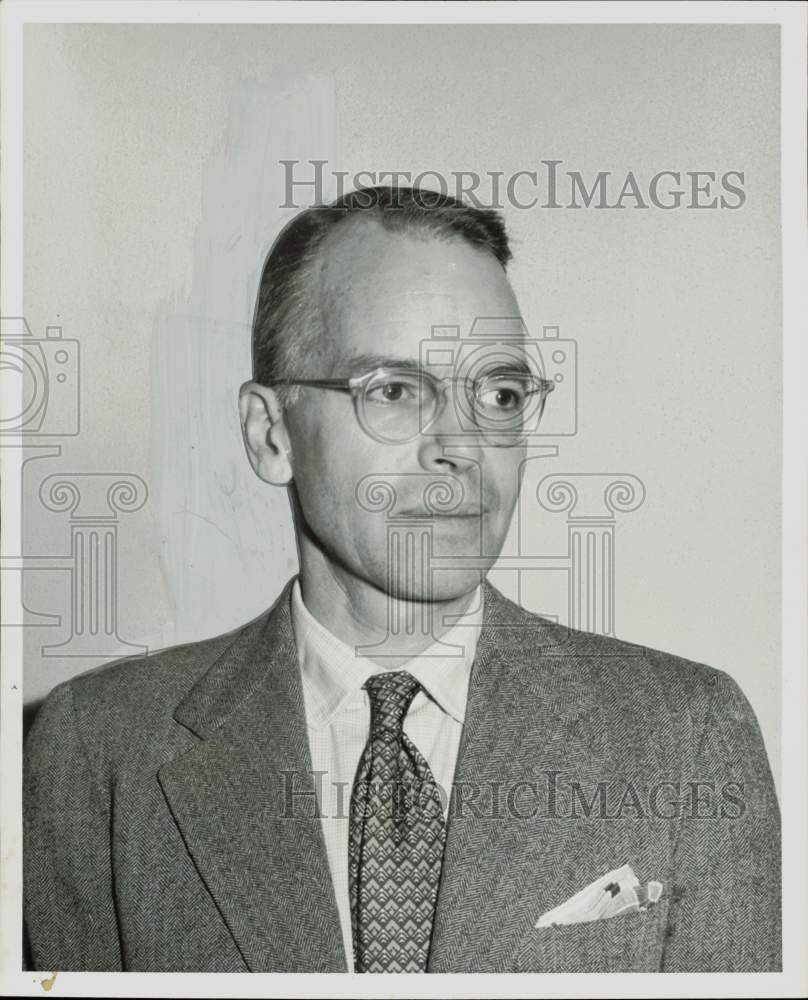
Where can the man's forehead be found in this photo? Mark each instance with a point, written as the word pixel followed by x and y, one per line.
pixel 388 288
pixel 412 334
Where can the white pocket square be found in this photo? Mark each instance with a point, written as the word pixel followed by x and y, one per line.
pixel 615 892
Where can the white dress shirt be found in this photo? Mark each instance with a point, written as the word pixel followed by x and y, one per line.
pixel 338 721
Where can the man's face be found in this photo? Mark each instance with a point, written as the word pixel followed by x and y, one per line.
pixel 382 294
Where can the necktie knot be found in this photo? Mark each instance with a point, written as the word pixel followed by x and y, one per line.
pixel 391 695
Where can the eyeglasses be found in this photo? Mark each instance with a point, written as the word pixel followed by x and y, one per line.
pixel 394 405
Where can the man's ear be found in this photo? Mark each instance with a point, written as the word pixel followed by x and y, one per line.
pixel 264 433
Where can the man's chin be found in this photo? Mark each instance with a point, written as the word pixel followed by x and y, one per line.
pixel 444 585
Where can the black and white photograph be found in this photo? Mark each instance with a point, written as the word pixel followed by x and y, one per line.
pixel 404 499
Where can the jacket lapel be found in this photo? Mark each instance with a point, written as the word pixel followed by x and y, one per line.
pixel 244 801
pixel 525 717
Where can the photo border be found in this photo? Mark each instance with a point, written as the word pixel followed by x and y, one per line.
pixel 793 981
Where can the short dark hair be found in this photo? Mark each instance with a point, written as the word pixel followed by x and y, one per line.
pixel 286 313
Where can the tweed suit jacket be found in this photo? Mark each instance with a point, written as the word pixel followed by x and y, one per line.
pixel 170 821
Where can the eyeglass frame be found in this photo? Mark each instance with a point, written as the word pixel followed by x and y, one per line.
pixel 356 386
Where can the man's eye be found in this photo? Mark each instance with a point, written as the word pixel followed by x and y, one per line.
pixel 503 397
pixel 392 392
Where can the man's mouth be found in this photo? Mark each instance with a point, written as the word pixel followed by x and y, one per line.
pixel 463 512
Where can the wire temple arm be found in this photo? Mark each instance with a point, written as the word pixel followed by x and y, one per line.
pixel 315 383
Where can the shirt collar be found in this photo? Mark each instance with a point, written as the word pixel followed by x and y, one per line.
pixel 331 671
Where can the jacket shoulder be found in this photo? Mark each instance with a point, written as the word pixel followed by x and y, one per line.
pixel 621 662
pixel 624 677
pixel 126 707
pixel 165 673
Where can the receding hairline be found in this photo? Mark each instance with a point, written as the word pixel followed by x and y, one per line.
pixel 315 273
pixel 416 229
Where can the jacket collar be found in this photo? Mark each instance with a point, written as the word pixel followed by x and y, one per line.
pixel 261 655
pixel 333 672
pixel 264 653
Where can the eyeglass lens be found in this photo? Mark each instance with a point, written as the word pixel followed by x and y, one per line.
pixel 502 407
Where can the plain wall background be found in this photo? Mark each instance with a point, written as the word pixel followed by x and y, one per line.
pixel 151 191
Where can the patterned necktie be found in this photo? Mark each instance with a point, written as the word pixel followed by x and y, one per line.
pixel 397 832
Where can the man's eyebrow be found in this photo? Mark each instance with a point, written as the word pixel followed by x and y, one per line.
pixel 360 363
pixel 507 366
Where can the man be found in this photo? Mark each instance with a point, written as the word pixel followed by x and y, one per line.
pixel 395 768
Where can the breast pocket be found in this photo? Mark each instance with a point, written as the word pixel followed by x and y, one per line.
pixel 630 942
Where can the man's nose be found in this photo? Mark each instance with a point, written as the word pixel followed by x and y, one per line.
pixel 447 445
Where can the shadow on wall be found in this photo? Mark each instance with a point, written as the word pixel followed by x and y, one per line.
pixel 29 713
